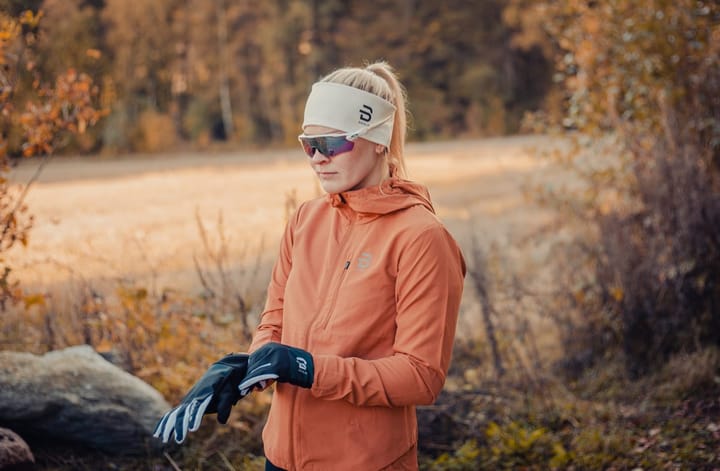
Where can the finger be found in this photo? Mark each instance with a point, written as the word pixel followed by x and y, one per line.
pixel 181 424
pixel 192 411
pixel 169 426
pixel 226 399
pixel 249 383
pixel 198 412
pixel 191 408
pixel 160 425
pixel 261 386
pixel 185 421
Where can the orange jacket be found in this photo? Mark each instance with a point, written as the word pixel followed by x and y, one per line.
pixel 369 282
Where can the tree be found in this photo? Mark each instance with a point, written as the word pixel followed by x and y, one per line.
pixel 71 33
pixel 463 74
pixel 51 113
pixel 642 82
pixel 142 45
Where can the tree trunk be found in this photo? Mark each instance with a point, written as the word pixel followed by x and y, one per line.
pixel 224 80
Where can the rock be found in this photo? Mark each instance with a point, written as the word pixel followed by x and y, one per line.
pixel 15 454
pixel 75 396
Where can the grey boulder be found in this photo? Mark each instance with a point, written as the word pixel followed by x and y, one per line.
pixel 75 396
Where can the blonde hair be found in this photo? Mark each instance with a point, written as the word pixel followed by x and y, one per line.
pixel 379 78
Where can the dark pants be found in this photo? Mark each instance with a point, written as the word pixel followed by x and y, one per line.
pixel 271 467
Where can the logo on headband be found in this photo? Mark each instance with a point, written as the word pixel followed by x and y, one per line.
pixel 365 114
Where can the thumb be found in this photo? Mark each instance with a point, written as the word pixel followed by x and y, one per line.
pixel 226 399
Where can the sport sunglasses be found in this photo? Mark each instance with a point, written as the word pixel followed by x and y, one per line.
pixel 328 145
pixel 331 145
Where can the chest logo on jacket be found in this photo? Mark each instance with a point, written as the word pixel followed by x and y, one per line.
pixel 364 260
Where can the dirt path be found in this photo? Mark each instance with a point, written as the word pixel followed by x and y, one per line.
pixel 136 217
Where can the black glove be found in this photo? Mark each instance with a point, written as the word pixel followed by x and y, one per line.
pixel 279 362
pixel 217 391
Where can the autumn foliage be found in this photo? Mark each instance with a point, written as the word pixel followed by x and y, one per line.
pixel 631 90
pixel 64 109
pixel 50 115
pixel 642 83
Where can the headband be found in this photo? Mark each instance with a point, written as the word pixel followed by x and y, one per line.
pixel 350 110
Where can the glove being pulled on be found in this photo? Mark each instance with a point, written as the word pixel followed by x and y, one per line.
pixel 217 391
pixel 279 362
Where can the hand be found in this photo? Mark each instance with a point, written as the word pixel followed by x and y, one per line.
pixel 217 391
pixel 279 362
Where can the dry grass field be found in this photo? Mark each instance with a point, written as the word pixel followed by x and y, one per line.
pixel 135 221
pixel 136 217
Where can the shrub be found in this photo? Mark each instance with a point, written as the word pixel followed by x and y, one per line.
pixel 36 119
pixel 643 93
pixel 155 132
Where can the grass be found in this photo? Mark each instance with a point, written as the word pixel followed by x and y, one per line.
pixel 603 421
pixel 666 420
pixel 505 406
pixel 526 419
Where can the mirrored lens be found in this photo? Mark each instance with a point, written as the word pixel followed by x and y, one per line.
pixel 307 147
pixel 329 146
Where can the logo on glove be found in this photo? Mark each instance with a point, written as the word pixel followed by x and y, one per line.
pixel 302 364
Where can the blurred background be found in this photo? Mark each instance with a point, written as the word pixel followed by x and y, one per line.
pixel 149 162
pixel 239 72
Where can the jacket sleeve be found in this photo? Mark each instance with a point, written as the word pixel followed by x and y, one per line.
pixel 428 291
pixel 271 319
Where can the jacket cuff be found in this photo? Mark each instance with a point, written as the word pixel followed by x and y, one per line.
pixel 326 375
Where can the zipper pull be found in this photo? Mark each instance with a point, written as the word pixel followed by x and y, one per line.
pixel 347 265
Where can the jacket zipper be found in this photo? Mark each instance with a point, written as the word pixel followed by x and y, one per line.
pixel 333 301
pixel 325 320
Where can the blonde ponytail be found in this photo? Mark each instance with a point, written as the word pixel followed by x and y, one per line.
pixel 380 79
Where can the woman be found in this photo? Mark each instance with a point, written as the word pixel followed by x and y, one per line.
pixel 363 301
pixel 366 289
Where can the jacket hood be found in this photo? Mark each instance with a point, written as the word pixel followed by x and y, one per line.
pixel 391 195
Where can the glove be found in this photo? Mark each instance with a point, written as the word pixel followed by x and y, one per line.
pixel 217 391
pixel 279 362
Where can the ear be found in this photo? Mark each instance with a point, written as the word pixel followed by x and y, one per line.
pixel 380 149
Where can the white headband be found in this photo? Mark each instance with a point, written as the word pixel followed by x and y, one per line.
pixel 350 110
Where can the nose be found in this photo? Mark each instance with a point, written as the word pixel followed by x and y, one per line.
pixel 318 158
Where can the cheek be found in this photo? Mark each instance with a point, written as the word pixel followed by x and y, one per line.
pixel 358 168
pixel 356 162
pixel 364 157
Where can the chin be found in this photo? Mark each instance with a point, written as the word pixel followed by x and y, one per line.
pixel 334 187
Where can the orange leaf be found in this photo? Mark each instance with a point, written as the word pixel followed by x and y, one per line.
pixel 34 300
pixel 104 346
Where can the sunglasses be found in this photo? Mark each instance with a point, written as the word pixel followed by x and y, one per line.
pixel 331 145
pixel 328 145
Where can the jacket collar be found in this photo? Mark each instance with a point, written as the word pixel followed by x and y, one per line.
pixel 393 194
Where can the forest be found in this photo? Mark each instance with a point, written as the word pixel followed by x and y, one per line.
pixel 200 72
pixel 594 332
